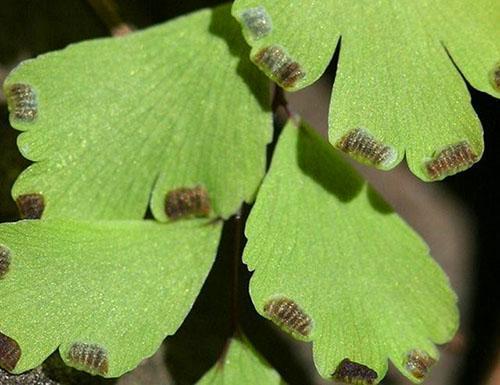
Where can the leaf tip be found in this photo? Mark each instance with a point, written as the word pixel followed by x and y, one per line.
pixel 351 372
pixel 275 62
pixel 22 102
pixel 363 146
pixel 5 258
pixel 90 357
pixel 186 202
pixel 451 160
pixel 418 363
pixel 10 353
pixel 256 22
pixel 285 312
pixel 31 206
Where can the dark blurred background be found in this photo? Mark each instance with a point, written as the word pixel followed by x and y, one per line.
pixel 458 218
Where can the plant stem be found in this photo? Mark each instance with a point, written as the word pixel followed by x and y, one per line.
pixel 236 261
pixel 107 11
pixel 281 114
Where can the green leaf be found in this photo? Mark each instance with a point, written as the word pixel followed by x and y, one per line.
pixel 242 365
pixel 118 286
pixel 112 123
pixel 396 79
pixel 333 264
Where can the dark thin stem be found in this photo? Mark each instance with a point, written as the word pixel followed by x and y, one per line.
pixel 236 261
pixel 107 11
pixel 281 114
pixel 237 241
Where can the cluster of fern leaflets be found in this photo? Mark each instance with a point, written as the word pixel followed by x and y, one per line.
pixel 176 119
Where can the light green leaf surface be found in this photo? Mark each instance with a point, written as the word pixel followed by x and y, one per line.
pixel 320 237
pixel 124 120
pixel 123 285
pixel 242 365
pixel 394 79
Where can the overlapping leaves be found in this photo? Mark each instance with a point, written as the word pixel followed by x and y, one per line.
pixel 117 121
pixel 119 285
pixel 396 79
pixel 333 264
pixel 111 123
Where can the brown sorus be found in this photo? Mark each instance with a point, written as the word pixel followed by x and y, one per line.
pixel 418 363
pixel 92 357
pixel 274 61
pixel 495 76
pixel 5 256
pixel 355 373
pixel 257 22
pixel 30 206
pixel 452 159
pixel 23 102
pixel 361 144
pixel 10 352
pixel 286 312
pixel 186 202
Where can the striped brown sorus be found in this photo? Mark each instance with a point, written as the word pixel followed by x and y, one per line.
pixel 22 102
pixel 351 372
pixel 91 357
pixel 451 160
pixel 419 363
pixel 5 259
pixel 31 206
pixel 187 202
pixel 10 352
pixel 285 312
pixel 275 62
pixel 361 144
pixel 257 22
pixel 495 77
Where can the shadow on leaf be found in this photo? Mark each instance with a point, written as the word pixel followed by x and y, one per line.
pixel 227 28
pixel 318 160
pixel 377 202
